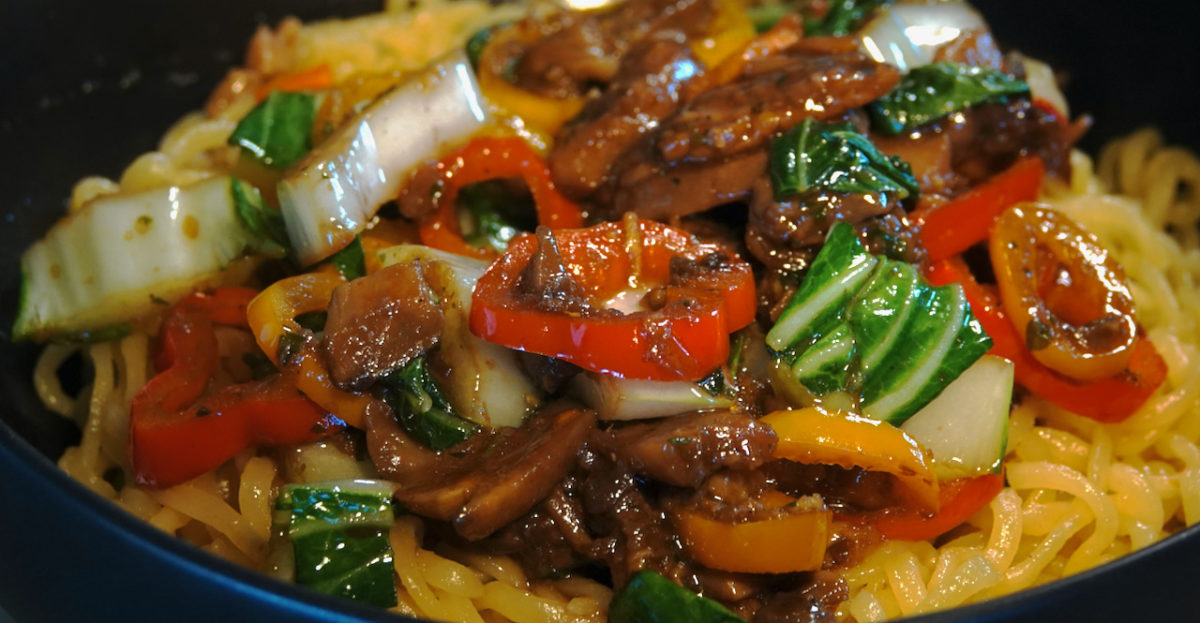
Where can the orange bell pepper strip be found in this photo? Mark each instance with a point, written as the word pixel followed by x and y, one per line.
pixel 960 498
pixel 812 435
pixel 315 79
pixel 785 543
pixel 175 435
pixel 1110 399
pixel 685 338
pixel 488 158
pixel 272 314
pixel 954 227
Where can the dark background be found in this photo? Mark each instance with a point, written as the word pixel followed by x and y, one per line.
pixel 86 86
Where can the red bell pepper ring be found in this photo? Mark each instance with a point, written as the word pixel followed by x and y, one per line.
pixel 1110 399
pixel 956 226
pixel 175 435
pixel 960 498
pixel 489 158
pixel 686 338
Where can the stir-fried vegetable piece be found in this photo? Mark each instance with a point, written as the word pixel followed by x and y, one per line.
pixel 870 331
pixel 793 538
pixel 483 382
pixel 933 91
pixel 313 79
pixel 421 408
pixel 966 426
pixel 842 17
pixel 835 157
pixel 122 254
pixel 911 34
pixel 1107 400
pixel 539 113
pixel 967 220
pixel 616 398
pixel 960 499
pixel 272 319
pixel 278 132
pixel 333 194
pixel 1063 292
pixel 495 212
pixel 339 534
pixel 812 435
pixel 489 158
pixel 176 435
pixel 688 296
pixel 651 598
pixel 350 261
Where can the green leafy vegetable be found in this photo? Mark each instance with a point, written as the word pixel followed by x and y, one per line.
pixel 313 321
pixel 278 131
pixel 816 155
pixel 422 410
pixel 651 598
pixel 869 327
pixel 258 218
pixel 842 18
pixel 933 91
pixel 350 261
pixel 340 538
pixel 495 212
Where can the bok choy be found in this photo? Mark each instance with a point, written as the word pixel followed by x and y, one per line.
pixel 330 196
pixel 122 254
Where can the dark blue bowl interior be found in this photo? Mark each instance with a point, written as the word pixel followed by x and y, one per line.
pixel 88 86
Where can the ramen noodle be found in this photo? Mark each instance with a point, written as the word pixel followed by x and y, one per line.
pixel 1077 492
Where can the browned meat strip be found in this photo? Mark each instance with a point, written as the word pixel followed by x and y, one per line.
pixel 545 283
pixel 583 51
pixel 655 191
pixel 645 91
pixel 772 95
pixel 487 481
pixel 987 139
pixel 378 323
pixel 686 449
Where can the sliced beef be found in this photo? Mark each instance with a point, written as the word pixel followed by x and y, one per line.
pixel 644 92
pixel 378 323
pixel 585 50
pixel 487 481
pixel 684 450
pixel 655 191
pixel 771 95
pixel 815 601
pixel 987 139
pixel 546 284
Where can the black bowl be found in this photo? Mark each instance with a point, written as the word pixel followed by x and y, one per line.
pixel 88 86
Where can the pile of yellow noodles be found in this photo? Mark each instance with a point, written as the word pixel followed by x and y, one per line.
pixel 1079 493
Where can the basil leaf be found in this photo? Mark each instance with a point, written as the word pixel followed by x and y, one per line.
pixel 350 261
pixel 842 18
pixel 340 540
pixel 815 155
pixel 261 220
pixel 651 598
pixel 421 409
pixel 278 132
pixel 933 91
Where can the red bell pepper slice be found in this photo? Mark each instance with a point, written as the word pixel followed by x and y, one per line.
pixel 954 227
pixel 175 435
pixel 1106 400
pixel 488 158
pixel 960 498
pixel 684 339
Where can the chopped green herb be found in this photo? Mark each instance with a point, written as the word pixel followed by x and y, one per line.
pixel 313 321
pixel 651 598
pixel 350 261
pixel 278 131
pixel 933 91
pixel 815 155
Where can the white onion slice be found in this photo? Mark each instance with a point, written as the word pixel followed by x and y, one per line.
pixel 909 35
pixel 331 195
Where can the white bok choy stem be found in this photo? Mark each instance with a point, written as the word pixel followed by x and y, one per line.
pixel 908 35
pixel 121 254
pixel 331 195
